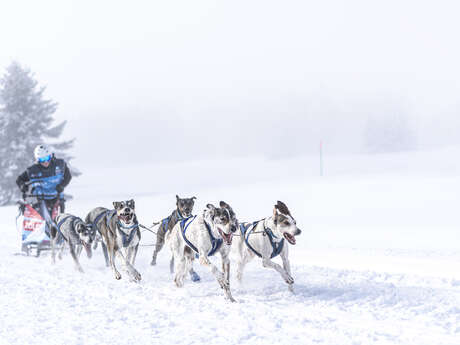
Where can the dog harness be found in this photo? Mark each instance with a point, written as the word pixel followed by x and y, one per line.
pixel 126 239
pixel 215 242
pixel 165 222
pixel 277 246
pixel 62 221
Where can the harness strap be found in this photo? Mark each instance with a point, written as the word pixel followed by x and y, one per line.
pixel 184 227
pixel 126 239
pixel 215 242
pixel 276 246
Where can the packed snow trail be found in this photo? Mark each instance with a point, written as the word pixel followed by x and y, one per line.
pixel 44 304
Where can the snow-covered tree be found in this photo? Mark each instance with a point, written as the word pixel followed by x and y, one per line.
pixel 26 120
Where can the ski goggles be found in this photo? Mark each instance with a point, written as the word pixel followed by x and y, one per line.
pixel 44 159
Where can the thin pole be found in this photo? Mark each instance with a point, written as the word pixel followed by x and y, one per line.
pixel 321 158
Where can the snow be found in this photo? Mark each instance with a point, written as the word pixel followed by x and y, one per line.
pixel 378 261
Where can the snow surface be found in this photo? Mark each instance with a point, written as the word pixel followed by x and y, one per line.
pixel 378 261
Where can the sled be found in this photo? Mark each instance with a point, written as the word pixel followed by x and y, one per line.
pixel 33 227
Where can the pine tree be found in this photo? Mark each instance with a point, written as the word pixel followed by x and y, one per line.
pixel 26 120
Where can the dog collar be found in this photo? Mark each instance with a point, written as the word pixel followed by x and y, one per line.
pixel 124 227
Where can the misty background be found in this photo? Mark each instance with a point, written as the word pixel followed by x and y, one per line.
pixel 181 80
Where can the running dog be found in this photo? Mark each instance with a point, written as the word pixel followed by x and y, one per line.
pixel 75 233
pixel 204 236
pixel 120 234
pixel 184 208
pixel 265 239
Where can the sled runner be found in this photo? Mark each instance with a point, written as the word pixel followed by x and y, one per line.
pixel 34 223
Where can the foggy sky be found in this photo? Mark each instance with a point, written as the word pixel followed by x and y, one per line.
pixel 187 79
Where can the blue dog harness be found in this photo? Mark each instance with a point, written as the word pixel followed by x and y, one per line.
pixel 277 246
pixel 215 242
pixel 165 222
pixel 126 239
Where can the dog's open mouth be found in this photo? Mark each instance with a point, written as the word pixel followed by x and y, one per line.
pixel 227 237
pixel 126 217
pixel 289 238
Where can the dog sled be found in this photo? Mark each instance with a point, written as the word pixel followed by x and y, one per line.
pixel 34 222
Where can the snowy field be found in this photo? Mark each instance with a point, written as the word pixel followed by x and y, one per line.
pixel 378 261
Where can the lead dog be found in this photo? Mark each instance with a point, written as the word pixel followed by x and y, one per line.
pixel 184 208
pixel 120 234
pixel 75 233
pixel 204 235
pixel 265 239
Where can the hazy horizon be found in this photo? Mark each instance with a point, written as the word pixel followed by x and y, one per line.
pixel 182 80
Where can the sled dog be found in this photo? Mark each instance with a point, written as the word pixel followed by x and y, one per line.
pixel 120 234
pixel 266 239
pixel 75 233
pixel 184 208
pixel 204 236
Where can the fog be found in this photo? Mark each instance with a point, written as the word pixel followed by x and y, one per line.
pixel 182 80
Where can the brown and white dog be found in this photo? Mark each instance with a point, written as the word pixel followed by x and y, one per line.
pixel 120 234
pixel 204 235
pixel 266 239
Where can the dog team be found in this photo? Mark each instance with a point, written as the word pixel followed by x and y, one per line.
pixel 188 236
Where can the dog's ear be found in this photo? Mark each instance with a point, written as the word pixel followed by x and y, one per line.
pixel 212 210
pixel 131 203
pixel 193 198
pixel 223 204
pixel 177 198
pixel 116 204
pixel 281 206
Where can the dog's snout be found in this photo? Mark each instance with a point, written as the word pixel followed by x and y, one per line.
pixel 233 228
pixel 298 232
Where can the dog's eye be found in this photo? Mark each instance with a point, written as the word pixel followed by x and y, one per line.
pixel 286 222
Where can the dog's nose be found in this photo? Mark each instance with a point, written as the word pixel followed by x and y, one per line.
pixel 233 228
pixel 127 209
pixel 298 232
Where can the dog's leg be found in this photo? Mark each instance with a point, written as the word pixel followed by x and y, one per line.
pixel 106 255
pixel 180 269
pixel 54 237
pixel 134 255
pixel 79 248
pixel 171 264
pixel 287 268
pixel 135 275
pixel 266 262
pixel 226 273
pixel 193 275
pixel 75 257
pixel 158 245
pixel 111 256
pixel 224 284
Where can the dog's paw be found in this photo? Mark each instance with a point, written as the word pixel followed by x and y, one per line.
pixel 79 269
pixel 289 280
pixel 137 276
pixel 153 262
pixel 291 288
pixel 117 275
pixel 204 261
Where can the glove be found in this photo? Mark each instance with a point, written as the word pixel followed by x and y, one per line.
pixel 59 188
pixel 24 188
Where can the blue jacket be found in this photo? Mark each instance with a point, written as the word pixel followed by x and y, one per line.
pixel 44 181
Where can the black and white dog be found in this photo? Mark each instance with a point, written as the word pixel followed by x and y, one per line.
pixel 265 239
pixel 120 234
pixel 204 235
pixel 184 208
pixel 75 233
